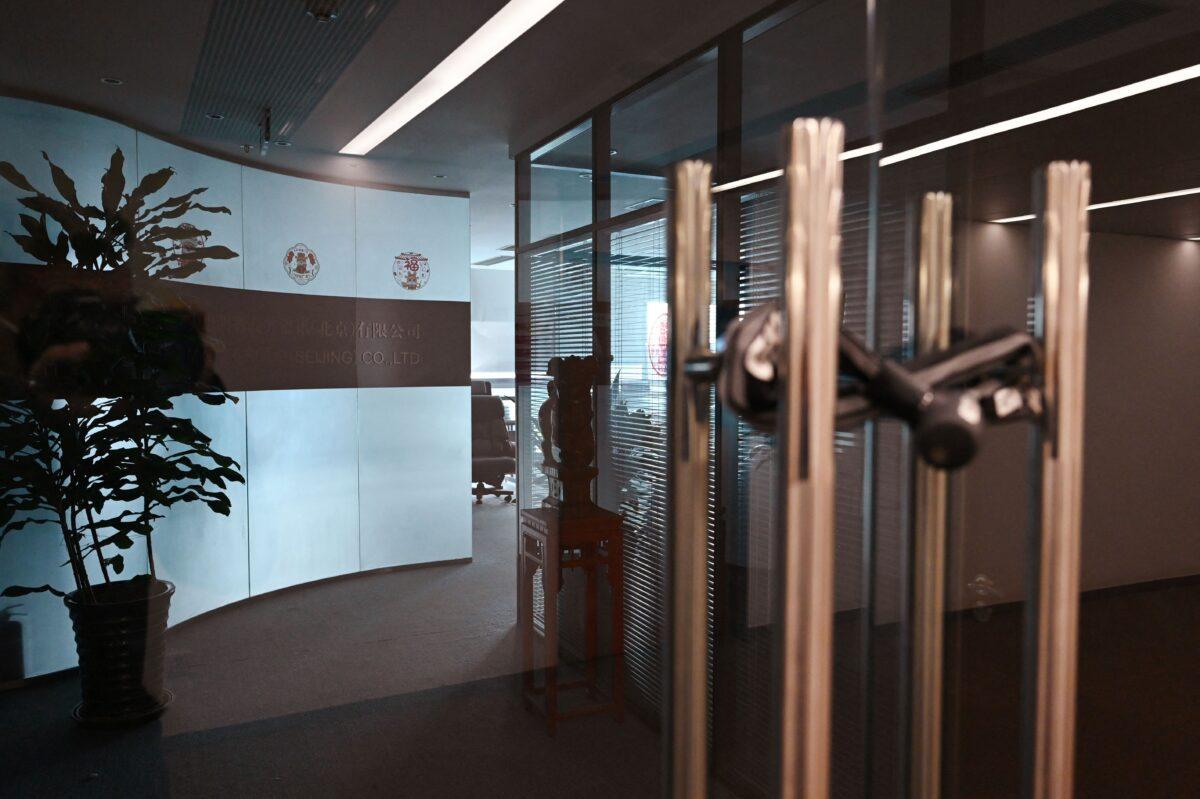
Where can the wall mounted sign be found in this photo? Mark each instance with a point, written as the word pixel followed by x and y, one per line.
pixel 268 340
pixel 411 270
pixel 301 264
pixel 658 336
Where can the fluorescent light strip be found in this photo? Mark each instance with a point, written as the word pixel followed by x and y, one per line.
pixel 858 152
pixel 508 24
pixel 1166 195
pixel 1082 104
pixel 1103 98
pixel 1146 198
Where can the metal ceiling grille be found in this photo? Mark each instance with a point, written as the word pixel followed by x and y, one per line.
pixel 272 53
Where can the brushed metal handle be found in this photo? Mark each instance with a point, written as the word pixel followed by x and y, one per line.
pixel 935 286
pixel 811 321
pixel 1062 198
pixel 688 295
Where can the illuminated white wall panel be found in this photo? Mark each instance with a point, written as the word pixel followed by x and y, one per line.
pixel 80 143
pixel 34 556
pixel 414 474
pixel 338 480
pixel 223 181
pixel 202 552
pixel 280 212
pixel 302 450
pixel 390 223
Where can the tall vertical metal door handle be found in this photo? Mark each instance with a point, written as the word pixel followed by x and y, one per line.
pixel 812 310
pixel 688 294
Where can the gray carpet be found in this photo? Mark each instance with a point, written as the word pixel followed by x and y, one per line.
pixel 391 684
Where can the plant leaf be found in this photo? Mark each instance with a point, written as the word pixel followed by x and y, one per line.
pixel 10 173
pixel 23 590
pixel 113 183
pixel 63 182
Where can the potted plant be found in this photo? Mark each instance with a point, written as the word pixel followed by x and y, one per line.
pixel 92 446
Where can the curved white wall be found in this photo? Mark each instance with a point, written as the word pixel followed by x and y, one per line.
pixel 337 480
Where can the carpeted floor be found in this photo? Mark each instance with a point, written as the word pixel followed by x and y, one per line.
pixel 392 684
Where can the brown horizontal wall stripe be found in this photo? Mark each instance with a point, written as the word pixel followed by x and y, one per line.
pixel 264 340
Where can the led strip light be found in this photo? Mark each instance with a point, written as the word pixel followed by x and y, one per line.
pixel 1054 112
pixel 505 27
pixel 1145 198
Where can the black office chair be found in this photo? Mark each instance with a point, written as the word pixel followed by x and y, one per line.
pixel 493 455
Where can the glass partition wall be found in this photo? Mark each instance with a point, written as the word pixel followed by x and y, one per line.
pixel 939 608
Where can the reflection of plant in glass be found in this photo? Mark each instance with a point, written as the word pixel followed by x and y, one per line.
pixel 102 458
pixel 122 233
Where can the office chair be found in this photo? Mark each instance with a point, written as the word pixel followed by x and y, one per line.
pixel 493 455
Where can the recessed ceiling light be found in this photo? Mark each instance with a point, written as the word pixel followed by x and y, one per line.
pixel 112 81
pixel 440 177
pixel 508 24
pixel 323 14
pixel 215 115
pixel 282 143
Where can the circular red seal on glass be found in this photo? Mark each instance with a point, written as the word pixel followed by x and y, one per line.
pixel 411 270
pixel 301 264
pixel 658 337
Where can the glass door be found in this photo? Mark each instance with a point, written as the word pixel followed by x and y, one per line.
pixel 976 99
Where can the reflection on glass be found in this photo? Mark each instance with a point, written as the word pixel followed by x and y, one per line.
pixel 560 184
pixel 671 118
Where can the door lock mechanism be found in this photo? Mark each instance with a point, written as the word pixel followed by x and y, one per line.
pixel 947 396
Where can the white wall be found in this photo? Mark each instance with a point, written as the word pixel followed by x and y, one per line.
pixel 493 322
pixel 337 480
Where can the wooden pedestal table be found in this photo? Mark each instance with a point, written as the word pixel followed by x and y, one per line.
pixel 553 542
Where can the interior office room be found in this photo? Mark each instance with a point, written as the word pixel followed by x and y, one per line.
pixel 520 398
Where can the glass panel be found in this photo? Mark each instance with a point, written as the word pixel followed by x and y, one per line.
pixel 672 118
pixel 560 193
pixel 807 60
pixel 950 72
pixel 788 70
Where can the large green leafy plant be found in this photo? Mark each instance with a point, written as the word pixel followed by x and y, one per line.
pixel 101 461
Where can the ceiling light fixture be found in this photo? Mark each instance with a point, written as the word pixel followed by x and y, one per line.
pixel 857 152
pixel 440 177
pixel 282 143
pixel 112 81
pixel 508 24
pixel 1054 112
pixel 1145 198
pixel 215 115
pixel 323 16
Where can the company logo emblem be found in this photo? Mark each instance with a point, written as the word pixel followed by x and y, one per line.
pixel 301 264
pixel 658 337
pixel 181 249
pixel 411 270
